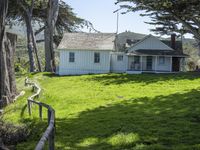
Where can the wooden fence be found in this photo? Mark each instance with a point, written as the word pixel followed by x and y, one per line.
pixel 49 134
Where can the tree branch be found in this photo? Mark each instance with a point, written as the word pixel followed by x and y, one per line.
pixel 39 30
pixel 193 30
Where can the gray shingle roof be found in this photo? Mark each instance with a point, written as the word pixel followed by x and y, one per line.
pixel 88 41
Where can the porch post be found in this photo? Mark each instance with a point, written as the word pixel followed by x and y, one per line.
pixel 141 64
pixel 127 63
pixel 156 61
pixel 171 63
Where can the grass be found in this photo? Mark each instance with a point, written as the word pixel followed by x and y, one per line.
pixel 117 111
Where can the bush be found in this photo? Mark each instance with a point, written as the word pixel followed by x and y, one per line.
pixel 192 65
pixel 11 134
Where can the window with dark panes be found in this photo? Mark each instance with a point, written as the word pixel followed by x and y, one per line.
pixel 96 57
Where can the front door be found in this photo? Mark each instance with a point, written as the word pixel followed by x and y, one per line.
pixel 149 63
pixel 175 64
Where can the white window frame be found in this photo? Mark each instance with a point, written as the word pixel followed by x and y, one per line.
pixel 71 57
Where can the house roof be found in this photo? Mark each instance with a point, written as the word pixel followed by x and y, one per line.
pixel 128 38
pixel 88 41
pixel 158 53
pixel 149 42
pixel 131 38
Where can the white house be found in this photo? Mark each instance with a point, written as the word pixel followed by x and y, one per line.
pixel 84 53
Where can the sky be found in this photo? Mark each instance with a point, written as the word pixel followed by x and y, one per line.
pixel 100 14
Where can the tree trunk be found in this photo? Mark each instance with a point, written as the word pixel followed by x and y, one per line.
pixel 30 43
pixel 12 40
pixel 3 73
pixel 7 77
pixel 8 84
pixel 36 50
pixel 52 14
pixel 5 80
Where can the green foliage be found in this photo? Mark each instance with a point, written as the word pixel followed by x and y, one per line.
pixel 116 111
pixel 190 47
pixel 168 15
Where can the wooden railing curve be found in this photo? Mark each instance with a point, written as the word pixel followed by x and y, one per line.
pixel 49 134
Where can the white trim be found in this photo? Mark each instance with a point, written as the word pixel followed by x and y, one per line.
pixel 134 72
pixel 171 64
pixel 156 62
pixel 158 55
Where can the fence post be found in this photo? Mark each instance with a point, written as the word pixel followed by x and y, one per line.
pixel 29 107
pixel 49 116
pixel 40 112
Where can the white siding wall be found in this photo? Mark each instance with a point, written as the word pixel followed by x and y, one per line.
pixel 166 66
pixel 151 43
pixel 84 62
pixel 119 66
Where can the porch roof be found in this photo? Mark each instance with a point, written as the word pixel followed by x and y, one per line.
pixel 157 53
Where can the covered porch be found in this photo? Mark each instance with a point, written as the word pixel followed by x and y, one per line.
pixel 154 64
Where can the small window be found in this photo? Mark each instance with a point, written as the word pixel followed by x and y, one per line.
pixel 136 59
pixel 96 57
pixel 119 57
pixel 161 60
pixel 71 57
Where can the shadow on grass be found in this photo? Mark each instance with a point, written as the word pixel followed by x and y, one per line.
pixel 23 110
pixel 165 122
pixel 111 79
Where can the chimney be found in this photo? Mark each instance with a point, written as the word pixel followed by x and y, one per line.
pixel 173 41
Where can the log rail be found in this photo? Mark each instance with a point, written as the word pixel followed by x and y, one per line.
pixel 49 134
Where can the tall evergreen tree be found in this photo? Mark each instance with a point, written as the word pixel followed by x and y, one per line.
pixel 180 16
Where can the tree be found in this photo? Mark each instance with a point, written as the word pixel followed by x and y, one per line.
pixel 168 15
pixel 52 14
pixel 27 13
pixel 7 48
pixel 59 19
pixel 66 21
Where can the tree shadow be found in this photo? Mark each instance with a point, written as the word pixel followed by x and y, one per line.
pixel 23 110
pixel 111 79
pixel 163 122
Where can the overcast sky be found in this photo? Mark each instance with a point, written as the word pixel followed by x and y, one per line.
pixel 100 13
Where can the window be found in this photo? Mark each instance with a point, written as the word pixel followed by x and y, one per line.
pixel 119 57
pixel 71 57
pixel 136 59
pixel 96 57
pixel 161 60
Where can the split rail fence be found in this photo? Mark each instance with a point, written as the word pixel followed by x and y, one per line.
pixel 49 134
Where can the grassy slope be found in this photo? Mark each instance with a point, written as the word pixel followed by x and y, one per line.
pixel 118 111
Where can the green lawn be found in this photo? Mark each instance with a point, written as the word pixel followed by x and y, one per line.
pixel 117 111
